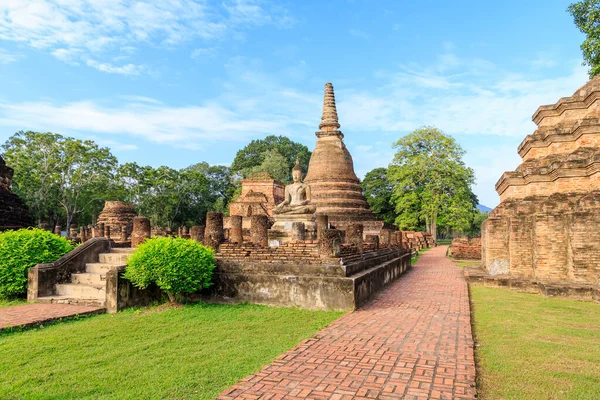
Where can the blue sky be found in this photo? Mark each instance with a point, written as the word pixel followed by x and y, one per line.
pixel 179 82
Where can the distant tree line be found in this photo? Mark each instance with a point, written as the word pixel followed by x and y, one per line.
pixel 65 180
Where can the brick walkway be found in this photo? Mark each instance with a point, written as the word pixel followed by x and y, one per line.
pixel 37 314
pixel 413 341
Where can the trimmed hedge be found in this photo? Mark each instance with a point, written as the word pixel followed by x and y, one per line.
pixel 175 265
pixel 22 249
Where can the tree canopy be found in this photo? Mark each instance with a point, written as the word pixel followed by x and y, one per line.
pixel 377 189
pixel 586 15
pixel 64 180
pixel 257 154
pixel 431 184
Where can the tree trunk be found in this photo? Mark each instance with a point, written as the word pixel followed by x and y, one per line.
pixel 172 299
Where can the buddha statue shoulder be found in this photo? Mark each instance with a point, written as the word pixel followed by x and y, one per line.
pixel 297 195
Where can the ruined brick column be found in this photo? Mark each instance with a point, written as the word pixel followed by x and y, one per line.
pixel 298 230
pixel 354 236
pixel 213 234
pixel 259 226
pixel 82 234
pixel 101 230
pixel 73 231
pixel 141 231
pixel 185 233
pixel 57 230
pixel 322 223
pixel 235 231
pixel 373 240
pixel 330 243
pixel 197 233
pixel 123 233
pixel 107 231
pixel 385 237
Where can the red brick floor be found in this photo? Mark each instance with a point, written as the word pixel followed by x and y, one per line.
pixel 36 314
pixel 412 341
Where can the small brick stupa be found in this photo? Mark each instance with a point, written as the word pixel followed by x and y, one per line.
pixel 547 226
pixel 115 215
pixel 14 214
pixel 335 187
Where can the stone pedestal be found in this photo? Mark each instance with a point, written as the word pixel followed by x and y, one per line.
pixel 298 231
pixel 281 231
pixel 385 237
pixel 123 233
pixel 354 236
pixel 322 223
pixel 373 240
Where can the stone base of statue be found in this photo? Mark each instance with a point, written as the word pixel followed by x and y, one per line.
pixel 285 229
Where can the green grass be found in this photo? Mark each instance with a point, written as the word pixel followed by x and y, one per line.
pixel 414 258
pixel 191 352
pixel 443 242
pixel 534 347
pixel 12 302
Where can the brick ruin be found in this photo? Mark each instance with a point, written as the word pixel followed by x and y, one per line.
pixel 465 249
pixel 547 226
pixel 117 215
pixel 260 194
pixel 14 214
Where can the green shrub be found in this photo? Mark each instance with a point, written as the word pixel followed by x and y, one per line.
pixel 177 266
pixel 20 250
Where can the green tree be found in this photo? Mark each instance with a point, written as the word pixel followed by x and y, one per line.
pixel 431 182
pixel 254 154
pixel 273 163
pixel 59 177
pixel 378 190
pixel 586 15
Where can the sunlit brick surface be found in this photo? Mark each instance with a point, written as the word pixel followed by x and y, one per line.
pixel 413 341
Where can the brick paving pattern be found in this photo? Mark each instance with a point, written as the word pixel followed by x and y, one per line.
pixel 412 341
pixel 37 314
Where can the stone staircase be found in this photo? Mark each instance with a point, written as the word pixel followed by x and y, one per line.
pixel 89 287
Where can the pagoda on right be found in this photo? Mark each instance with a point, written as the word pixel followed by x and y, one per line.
pixel 546 228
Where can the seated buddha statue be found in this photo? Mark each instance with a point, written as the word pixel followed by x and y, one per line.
pixel 297 195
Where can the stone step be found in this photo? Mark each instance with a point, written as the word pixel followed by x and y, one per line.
pixel 88 278
pixel 122 250
pixel 79 291
pixel 98 268
pixel 71 300
pixel 113 258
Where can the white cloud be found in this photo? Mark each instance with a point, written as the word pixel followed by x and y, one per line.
pixel 6 57
pixel 203 53
pixel 127 69
pixel 156 123
pixel 91 31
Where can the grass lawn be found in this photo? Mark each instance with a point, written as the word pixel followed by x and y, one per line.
pixel 12 302
pixel 191 352
pixel 534 347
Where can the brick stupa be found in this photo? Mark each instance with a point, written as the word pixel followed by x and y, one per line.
pixel 115 215
pixel 334 186
pixel 547 226
pixel 14 214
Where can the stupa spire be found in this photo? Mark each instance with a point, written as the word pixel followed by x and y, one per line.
pixel 329 118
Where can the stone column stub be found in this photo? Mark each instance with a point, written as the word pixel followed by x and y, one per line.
pixel 141 231
pixel 259 227
pixel 213 233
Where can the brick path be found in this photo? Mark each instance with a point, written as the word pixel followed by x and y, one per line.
pixel 36 314
pixel 413 341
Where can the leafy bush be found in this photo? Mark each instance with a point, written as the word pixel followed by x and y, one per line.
pixel 177 266
pixel 20 250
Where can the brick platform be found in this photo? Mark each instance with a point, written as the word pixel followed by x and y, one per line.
pixel 413 341
pixel 36 314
